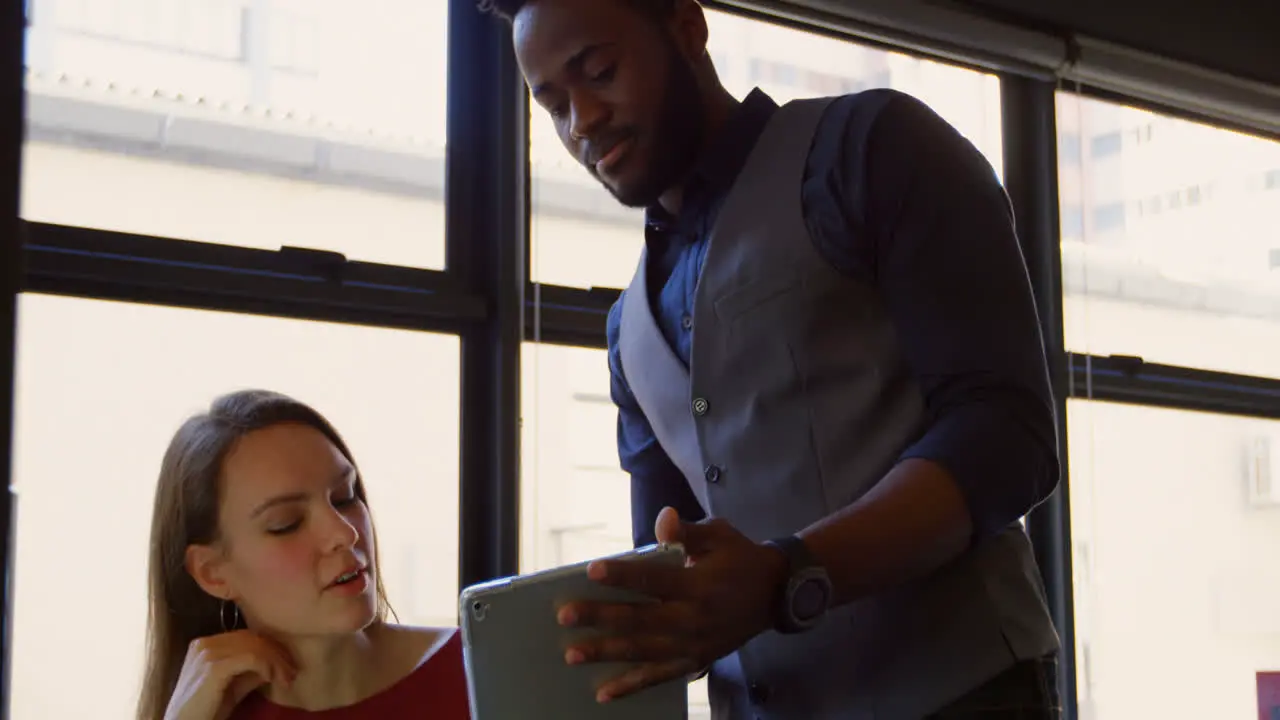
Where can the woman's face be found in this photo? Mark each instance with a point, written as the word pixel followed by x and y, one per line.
pixel 296 550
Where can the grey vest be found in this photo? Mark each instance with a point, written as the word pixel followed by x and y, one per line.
pixel 797 400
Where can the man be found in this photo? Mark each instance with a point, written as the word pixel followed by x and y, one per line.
pixel 830 379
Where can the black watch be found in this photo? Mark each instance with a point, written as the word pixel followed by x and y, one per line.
pixel 805 593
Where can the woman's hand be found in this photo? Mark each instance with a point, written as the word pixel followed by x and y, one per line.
pixel 220 670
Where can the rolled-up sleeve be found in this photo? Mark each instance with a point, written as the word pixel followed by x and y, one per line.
pixel 656 482
pixel 952 275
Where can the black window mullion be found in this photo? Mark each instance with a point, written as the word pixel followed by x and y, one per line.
pixel 12 32
pixel 1031 177
pixel 486 221
pixel 1132 380
pixel 292 282
pixel 568 316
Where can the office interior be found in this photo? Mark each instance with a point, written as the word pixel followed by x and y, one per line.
pixel 355 205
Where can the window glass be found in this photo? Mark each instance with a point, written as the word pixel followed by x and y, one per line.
pixel 582 237
pixel 1175 525
pixel 575 501
pixel 102 386
pixel 1179 260
pixel 259 123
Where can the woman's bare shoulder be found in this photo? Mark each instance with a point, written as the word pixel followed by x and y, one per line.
pixel 417 644
pixel 429 664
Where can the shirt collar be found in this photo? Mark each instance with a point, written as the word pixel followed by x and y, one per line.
pixel 717 168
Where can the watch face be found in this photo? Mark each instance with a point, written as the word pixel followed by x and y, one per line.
pixel 809 599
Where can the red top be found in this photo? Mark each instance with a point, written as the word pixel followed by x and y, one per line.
pixel 436 689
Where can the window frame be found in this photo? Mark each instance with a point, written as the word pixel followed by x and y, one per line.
pixel 486 247
pixel 13 30
pixel 1030 137
pixel 484 294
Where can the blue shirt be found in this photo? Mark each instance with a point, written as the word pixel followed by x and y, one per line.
pixel 895 197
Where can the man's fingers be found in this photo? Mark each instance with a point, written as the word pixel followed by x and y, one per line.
pixel 623 618
pixel 616 617
pixel 644 676
pixel 662 582
pixel 629 648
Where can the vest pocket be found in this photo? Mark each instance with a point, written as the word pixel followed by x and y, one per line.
pixel 756 293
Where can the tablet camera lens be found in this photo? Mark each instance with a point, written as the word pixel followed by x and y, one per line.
pixel 479 610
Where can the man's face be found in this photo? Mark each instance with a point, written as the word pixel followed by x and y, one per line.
pixel 619 88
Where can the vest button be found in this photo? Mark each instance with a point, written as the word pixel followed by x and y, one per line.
pixel 700 406
pixel 686 322
pixel 712 474
pixel 758 693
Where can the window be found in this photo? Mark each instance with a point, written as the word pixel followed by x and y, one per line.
pixel 1184 277
pixel 581 237
pixel 103 388
pixel 1072 221
pixel 1109 217
pixel 1193 195
pixel 575 501
pixel 1182 588
pixel 1107 144
pixel 295 122
pixel 784 74
pixel 225 24
pixel 1069 148
pixel 1142 133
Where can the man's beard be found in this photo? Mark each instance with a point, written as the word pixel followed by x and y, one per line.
pixel 675 140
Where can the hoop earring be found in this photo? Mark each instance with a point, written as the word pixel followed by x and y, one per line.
pixel 222 615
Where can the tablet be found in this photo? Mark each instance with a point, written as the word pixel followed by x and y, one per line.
pixel 514 649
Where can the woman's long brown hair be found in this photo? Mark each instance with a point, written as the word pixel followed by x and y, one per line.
pixel 186 513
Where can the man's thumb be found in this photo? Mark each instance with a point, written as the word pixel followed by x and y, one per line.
pixel 669 528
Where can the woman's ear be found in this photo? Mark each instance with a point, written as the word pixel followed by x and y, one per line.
pixel 207 566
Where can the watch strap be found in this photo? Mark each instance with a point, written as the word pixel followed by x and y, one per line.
pixel 799 561
pixel 796 552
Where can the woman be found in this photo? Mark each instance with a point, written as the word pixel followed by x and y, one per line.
pixel 266 601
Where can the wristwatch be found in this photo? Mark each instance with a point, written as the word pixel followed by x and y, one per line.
pixel 805 594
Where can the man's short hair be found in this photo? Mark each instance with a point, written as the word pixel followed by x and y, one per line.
pixel 508 9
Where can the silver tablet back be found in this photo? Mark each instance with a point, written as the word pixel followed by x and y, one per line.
pixel 515 650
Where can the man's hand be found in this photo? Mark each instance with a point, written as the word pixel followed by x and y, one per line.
pixel 722 598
